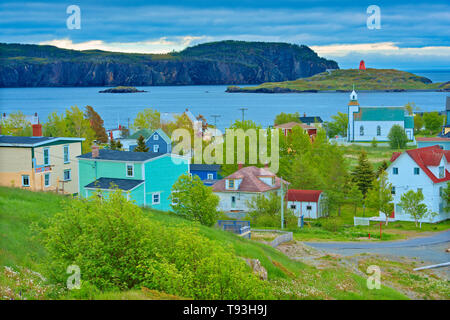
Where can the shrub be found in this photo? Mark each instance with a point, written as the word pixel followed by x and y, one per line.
pixel 118 248
pixel 397 137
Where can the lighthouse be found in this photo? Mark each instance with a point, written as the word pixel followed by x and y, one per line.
pixel 362 65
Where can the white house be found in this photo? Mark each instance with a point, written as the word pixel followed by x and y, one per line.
pixel 426 169
pixel 236 189
pixel 367 123
pixel 307 203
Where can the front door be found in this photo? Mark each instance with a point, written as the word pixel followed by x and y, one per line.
pixel 233 202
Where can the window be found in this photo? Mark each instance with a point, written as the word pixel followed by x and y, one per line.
pixel 416 171
pixel 293 206
pixel 155 148
pixel 130 170
pixel 441 172
pixel 155 137
pixel 47 180
pixel 155 198
pixel 230 184
pixel 308 208
pixel 46 157
pixel 66 154
pixel 395 170
pixel 233 202
pixel 210 176
pixel 393 190
pixel 378 130
pixel 67 175
pixel 361 130
pixel 25 180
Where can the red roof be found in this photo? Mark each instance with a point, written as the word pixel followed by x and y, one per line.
pixel 428 157
pixel 303 195
pixel 432 139
pixel 250 180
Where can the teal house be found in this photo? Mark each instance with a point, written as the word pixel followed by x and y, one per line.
pixel 142 177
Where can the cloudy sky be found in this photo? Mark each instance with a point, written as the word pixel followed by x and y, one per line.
pixel 412 36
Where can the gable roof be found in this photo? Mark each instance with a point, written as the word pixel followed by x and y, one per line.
pixel 204 167
pixel 116 155
pixel 142 132
pixel 429 156
pixel 162 134
pixel 311 119
pixel 14 141
pixel 380 114
pixel 303 195
pixel 250 181
pixel 433 139
pixel 110 183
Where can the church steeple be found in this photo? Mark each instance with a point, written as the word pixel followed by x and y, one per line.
pixel 353 98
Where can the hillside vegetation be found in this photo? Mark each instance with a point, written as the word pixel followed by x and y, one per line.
pixel 25 255
pixel 224 62
pixel 343 80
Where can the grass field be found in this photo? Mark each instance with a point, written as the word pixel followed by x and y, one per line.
pixel 289 279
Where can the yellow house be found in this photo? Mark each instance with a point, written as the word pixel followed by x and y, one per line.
pixel 40 163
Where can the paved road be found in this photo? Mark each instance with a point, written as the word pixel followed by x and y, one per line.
pixel 438 238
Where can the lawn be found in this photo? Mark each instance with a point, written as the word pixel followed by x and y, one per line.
pixel 289 279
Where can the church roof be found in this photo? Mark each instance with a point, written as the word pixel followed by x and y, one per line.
pixel 380 114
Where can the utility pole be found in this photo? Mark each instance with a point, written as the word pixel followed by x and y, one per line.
pixel 282 205
pixel 243 111
pixel 215 116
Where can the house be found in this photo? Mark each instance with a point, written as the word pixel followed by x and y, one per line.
pixel 286 128
pixel 425 169
pixel 311 121
pixel 40 163
pixel 236 189
pixel 145 177
pixel 442 142
pixel 157 141
pixel 307 203
pixel 206 172
pixel 368 123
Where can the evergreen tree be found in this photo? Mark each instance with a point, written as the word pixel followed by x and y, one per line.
pixel 363 174
pixel 141 146
pixel 112 145
pixel 383 167
pixel 119 145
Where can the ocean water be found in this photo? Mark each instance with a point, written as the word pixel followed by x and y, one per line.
pixel 206 100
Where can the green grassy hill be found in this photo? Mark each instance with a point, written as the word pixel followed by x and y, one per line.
pixel 336 80
pixel 290 279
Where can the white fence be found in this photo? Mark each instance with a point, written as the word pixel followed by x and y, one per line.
pixel 360 221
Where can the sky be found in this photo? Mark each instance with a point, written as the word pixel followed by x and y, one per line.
pixel 412 35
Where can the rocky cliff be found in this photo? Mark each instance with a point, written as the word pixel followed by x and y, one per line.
pixel 225 62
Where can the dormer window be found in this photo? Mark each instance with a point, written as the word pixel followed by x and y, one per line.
pixel 155 137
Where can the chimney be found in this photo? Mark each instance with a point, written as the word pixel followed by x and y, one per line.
pixel 95 151
pixel 239 166
pixel 304 114
pixel 37 130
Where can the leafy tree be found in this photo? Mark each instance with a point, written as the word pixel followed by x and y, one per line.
pixel 193 200
pixel 266 211
pixel 411 203
pixel 287 117
pixel 374 143
pixel 446 197
pixel 97 124
pixel 16 125
pixel 418 123
pixel 383 167
pixel 119 145
pixel 433 122
pixel 363 174
pixel 141 146
pixel 355 197
pixel 338 126
pixel 397 137
pixel 410 106
pixel 147 119
pixel 115 145
pixel 379 197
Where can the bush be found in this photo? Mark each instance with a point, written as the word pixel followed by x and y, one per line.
pixel 118 248
pixel 397 137
pixel 265 211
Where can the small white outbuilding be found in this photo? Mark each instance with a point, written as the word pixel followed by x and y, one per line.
pixel 307 203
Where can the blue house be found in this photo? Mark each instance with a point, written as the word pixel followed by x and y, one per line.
pixel 143 177
pixel 206 172
pixel 157 141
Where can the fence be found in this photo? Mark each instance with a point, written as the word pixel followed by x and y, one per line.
pixel 285 236
pixel 360 221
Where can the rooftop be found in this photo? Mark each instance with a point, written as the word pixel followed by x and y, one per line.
pixel 111 183
pixel 305 119
pixel 14 141
pixel 303 195
pixel 106 154
pixel 204 167
pixel 292 124
pixel 380 114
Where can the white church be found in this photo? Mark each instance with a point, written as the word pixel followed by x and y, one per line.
pixel 367 123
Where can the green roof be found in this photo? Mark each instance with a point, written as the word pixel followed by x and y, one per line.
pixel 143 132
pixel 380 114
pixel 409 122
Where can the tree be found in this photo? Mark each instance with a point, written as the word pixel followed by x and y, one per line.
pixel 193 200
pixel 141 146
pixel 374 143
pixel 411 203
pixel 355 197
pixel 16 125
pixel 445 195
pixel 383 167
pixel 96 124
pixel 115 145
pixel 148 119
pixel 363 174
pixel 418 123
pixel 397 137
pixel 266 210
pixel 379 197
pixel 287 117
pixel 338 126
pixel 433 122
pixel 119 145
